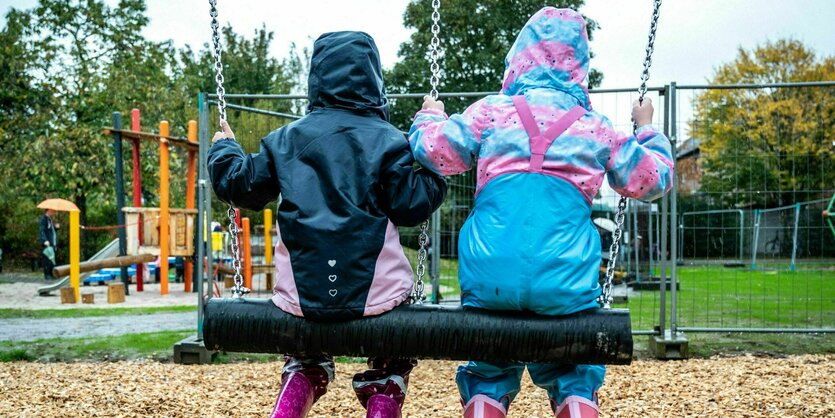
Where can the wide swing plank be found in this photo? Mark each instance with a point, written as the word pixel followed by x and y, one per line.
pixel 423 331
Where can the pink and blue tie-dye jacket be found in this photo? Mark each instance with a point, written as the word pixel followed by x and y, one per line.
pixel 529 242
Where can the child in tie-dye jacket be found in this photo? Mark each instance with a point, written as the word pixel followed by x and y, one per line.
pixel 529 243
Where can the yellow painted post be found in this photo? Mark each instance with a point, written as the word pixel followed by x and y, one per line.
pixel 163 208
pixel 247 249
pixel 75 252
pixel 268 245
pixel 191 176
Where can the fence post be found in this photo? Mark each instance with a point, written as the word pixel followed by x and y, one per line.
pixel 673 213
pixel 201 229
pixel 794 238
pixel 757 215
pixel 741 235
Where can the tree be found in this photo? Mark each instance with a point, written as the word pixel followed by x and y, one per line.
pixel 475 37
pixel 768 147
pixel 65 66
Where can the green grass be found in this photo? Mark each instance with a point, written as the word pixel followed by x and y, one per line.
pixel 720 297
pixel 7 313
pixel 155 345
pixel 715 296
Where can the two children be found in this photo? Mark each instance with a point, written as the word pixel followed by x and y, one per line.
pixel 541 153
pixel 346 179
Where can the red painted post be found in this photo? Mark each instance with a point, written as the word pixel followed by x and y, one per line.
pixel 137 190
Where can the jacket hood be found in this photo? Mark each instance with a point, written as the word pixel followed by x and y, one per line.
pixel 551 51
pixel 345 73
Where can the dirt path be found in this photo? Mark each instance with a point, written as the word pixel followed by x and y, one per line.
pixel 28 329
pixel 746 386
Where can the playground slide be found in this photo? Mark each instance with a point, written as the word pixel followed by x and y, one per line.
pixel 110 250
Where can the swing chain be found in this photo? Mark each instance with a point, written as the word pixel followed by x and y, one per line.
pixel 605 299
pixel 653 27
pixel 418 297
pixel 238 290
pixel 434 50
pixel 221 92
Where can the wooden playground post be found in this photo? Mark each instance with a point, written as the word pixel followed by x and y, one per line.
pixel 268 245
pixel 75 252
pixel 190 189
pixel 137 190
pixel 163 208
pixel 247 250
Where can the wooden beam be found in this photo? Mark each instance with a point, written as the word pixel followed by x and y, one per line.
pixel 124 261
pixel 172 140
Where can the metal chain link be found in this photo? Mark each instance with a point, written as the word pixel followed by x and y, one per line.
pixel 418 296
pixel 605 299
pixel 434 50
pixel 221 92
pixel 238 290
pixel 653 27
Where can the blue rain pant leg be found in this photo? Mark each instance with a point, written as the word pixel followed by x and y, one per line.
pixel 564 381
pixel 497 381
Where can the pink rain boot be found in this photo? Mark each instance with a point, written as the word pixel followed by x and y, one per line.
pixel 576 407
pixel 382 406
pixel 481 406
pixel 382 388
pixel 296 397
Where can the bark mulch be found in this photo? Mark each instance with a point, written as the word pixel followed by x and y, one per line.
pixel 746 386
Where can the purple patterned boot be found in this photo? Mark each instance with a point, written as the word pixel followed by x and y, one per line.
pixel 303 382
pixel 382 406
pixel 295 398
pixel 382 388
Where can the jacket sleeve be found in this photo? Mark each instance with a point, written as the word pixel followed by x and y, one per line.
pixel 640 167
pixel 248 181
pixel 448 146
pixel 410 194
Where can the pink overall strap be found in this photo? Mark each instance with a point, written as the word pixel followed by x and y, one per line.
pixel 540 142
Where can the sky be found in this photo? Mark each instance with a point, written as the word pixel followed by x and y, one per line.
pixel 694 37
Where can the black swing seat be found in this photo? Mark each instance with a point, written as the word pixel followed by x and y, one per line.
pixel 598 336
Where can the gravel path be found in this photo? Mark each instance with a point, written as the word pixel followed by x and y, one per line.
pixel 28 329
pixel 726 387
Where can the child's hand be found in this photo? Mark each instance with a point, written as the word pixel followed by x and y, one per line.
pixel 430 103
pixel 227 132
pixel 642 113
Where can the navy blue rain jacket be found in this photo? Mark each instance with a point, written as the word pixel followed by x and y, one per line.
pixel 346 179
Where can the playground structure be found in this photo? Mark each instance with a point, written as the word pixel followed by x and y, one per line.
pixel 140 240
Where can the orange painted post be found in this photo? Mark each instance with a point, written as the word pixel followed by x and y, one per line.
pixel 247 249
pixel 163 208
pixel 137 191
pixel 191 178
